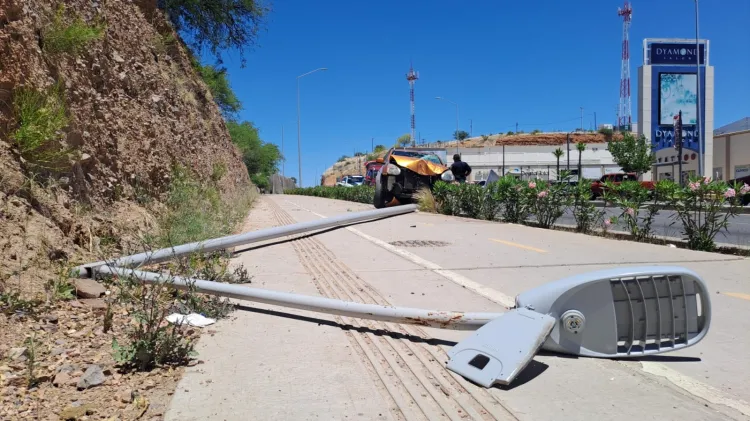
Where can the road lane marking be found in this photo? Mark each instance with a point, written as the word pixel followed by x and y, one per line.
pixel 521 246
pixel 737 295
pixel 694 387
pixel 486 292
pixel 686 383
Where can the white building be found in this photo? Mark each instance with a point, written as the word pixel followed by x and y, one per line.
pixel 530 162
pixel 731 158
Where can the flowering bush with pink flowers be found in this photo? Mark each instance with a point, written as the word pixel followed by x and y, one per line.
pixel 639 206
pixel 704 208
pixel 547 201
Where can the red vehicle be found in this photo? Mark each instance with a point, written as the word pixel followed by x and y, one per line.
pixel 597 187
pixel 371 170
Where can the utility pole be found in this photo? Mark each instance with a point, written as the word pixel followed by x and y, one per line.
pixel 503 159
pixel 299 142
pixel 283 161
pixel 567 140
pixel 516 127
pixel 595 126
pixel 678 143
pixel 581 118
pixel 471 128
pixel 372 145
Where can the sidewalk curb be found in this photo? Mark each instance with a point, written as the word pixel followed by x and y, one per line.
pixel 744 210
pixel 721 248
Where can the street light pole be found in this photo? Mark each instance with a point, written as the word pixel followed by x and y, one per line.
pixel 698 125
pixel 568 142
pixel 299 141
pixel 581 118
pixel 456 134
pixel 283 161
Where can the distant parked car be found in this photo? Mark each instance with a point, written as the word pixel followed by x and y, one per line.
pixel 351 181
pixel 597 187
pixel 371 171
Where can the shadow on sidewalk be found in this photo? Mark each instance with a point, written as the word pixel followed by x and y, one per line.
pixel 361 329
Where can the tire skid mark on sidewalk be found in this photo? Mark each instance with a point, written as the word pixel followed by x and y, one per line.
pixel 412 373
pixel 430 369
pixel 427 354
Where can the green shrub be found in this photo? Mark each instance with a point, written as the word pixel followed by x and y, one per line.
pixel 73 37
pixel 259 157
pixel 508 191
pixel 704 208
pixel 547 201
pixel 216 79
pixel 607 132
pixel 359 194
pixel 446 198
pixel 218 25
pixel 197 211
pixel 630 197
pixel 150 341
pixel 585 212
pixel 41 118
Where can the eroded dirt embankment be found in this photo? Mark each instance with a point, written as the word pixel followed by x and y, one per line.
pixel 134 108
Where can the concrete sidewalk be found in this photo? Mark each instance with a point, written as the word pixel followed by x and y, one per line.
pixel 307 366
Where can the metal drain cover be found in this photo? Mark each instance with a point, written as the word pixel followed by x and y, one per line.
pixel 419 243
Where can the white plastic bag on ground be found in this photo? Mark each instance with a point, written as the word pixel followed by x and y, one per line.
pixel 192 319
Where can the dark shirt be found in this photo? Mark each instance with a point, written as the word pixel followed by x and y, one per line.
pixel 460 170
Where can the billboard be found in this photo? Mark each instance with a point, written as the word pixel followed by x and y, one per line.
pixel 675 53
pixel 678 92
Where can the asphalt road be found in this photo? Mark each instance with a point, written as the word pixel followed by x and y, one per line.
pixel 274 363
pixel 665 224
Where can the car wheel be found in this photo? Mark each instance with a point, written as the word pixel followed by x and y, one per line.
pixel 382 196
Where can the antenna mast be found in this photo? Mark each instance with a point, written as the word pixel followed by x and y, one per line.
pixel 625 109
pixel 412 77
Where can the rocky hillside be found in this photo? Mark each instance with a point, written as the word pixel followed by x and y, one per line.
pixel 98 102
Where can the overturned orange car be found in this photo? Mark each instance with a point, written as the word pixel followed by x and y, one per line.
pixel 406 171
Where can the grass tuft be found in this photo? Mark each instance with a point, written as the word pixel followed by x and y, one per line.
pixel 197 211
pixel 41 118
pixel 62 37
pixel 426 201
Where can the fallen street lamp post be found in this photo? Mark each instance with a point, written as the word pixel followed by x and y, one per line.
pixel 404 315
pixel 162 255
pixel 600 314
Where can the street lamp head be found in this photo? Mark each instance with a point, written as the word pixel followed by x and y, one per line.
pixel 437 97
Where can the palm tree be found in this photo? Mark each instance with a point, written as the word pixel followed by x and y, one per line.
pixel 558 154
pixel 581 147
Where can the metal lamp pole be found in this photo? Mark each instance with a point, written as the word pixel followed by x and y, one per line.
pixel 567 140
pixel 299 142
pixel 438 97
pixel 698 125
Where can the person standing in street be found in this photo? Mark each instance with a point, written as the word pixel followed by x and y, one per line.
pixel 460 169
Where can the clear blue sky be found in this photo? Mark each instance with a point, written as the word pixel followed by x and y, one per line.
pixel 534 62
